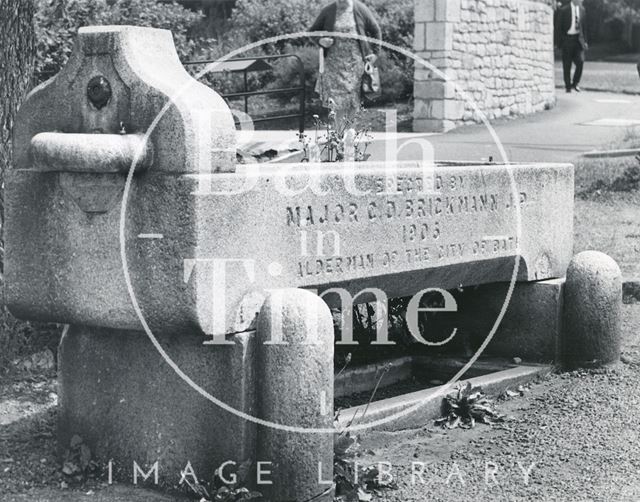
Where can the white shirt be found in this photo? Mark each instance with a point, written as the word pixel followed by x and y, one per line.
pixel 575 14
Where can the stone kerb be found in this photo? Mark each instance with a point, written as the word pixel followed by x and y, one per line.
pixel 499 52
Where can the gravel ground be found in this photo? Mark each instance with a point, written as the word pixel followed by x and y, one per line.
pixel 580 430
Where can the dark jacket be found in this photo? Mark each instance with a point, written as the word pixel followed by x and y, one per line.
pixel 563 25
pixel 366 25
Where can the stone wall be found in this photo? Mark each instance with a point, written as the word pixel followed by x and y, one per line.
pixel 499 52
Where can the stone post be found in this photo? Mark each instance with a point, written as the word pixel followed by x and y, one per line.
pixel 592 311
pixel 295 388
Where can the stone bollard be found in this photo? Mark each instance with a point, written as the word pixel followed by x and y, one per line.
pixel 592 311
pixel 295 389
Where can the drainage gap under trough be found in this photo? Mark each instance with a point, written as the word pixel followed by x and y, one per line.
pixel 413 393
pixel 405 375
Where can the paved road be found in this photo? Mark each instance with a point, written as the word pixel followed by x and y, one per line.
pixel 558 135
pixel 606 76
pixel 580 122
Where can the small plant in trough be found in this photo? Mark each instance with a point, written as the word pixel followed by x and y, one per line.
pixel 336 142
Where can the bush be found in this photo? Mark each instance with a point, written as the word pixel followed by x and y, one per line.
pixel 396 21
pixel 259 19
pixel 396 77
pixel 56 31
pixel 396 70
pixel 629 181
pixel 286 73
pixel 21 338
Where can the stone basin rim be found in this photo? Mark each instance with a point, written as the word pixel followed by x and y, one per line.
pixel 375 166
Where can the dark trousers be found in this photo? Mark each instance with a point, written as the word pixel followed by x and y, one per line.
pixel 572 53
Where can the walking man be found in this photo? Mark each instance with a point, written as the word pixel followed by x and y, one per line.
pixel 572 41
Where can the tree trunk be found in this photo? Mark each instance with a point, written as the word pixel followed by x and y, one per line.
pixel 17 54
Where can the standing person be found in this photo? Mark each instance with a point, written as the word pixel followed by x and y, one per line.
pixel 572 40
pixel 345 58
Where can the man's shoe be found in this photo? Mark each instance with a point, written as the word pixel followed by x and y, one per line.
pixel 568 89
pixel 577 89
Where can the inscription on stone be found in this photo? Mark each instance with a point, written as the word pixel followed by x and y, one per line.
pixel 419 221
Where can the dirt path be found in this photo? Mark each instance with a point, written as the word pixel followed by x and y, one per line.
pixel 103 494
pixel 29 467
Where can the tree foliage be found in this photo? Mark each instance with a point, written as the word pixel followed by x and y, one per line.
pixel 57 26
pixel 621 9
pixel 260 20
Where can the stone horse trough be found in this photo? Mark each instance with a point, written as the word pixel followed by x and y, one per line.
pixel 197 292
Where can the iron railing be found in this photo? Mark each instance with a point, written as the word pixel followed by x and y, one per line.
pixel 246 94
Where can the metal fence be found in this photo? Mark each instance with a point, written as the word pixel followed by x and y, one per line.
pixel 252 64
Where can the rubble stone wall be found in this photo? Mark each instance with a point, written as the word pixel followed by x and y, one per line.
pixel 496 55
